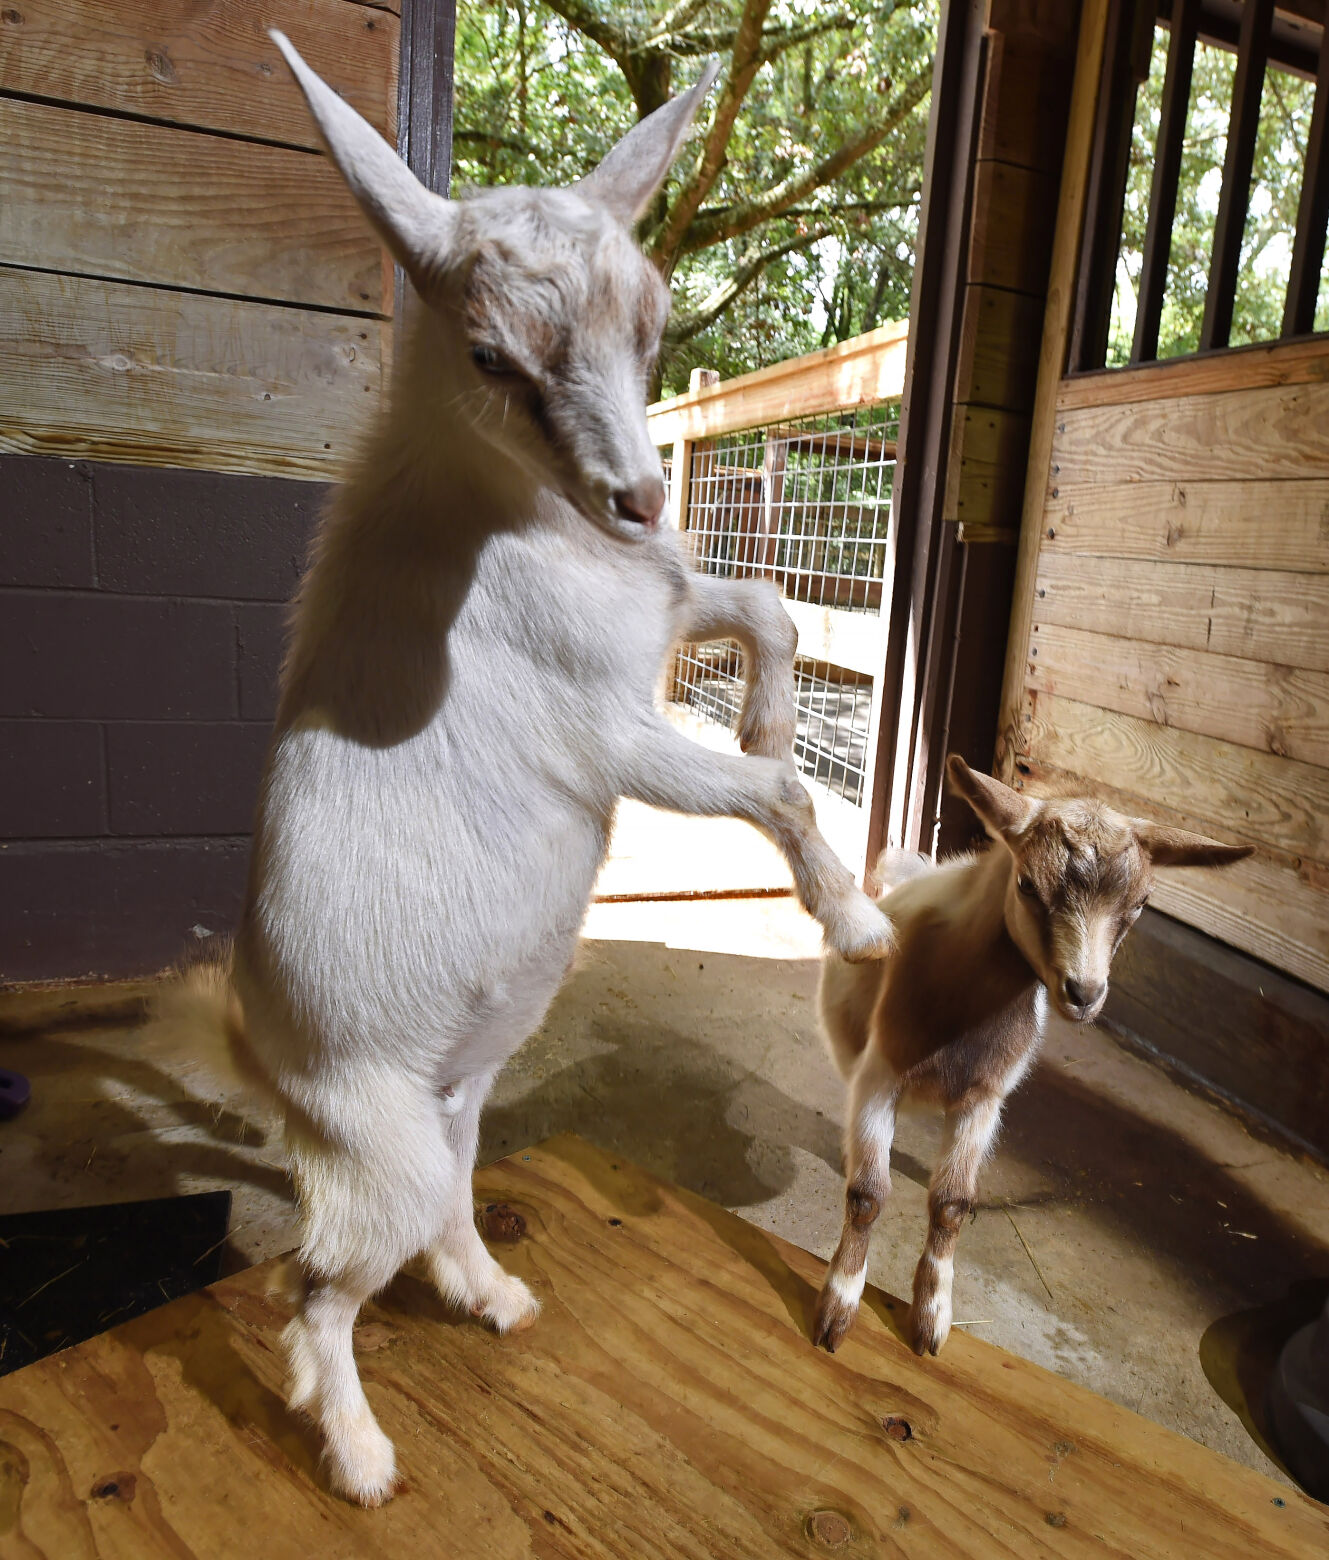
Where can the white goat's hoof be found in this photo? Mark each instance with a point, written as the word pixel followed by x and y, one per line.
pixel 509 1307
pixel 762 732
pixel 858 931
pixel 360 1462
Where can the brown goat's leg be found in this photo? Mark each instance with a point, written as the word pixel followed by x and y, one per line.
pixel 971 1127
pixel 868 1136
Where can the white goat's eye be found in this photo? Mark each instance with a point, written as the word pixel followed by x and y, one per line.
pixel 490 362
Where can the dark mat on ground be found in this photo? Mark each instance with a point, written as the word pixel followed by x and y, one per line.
pixel 71 1273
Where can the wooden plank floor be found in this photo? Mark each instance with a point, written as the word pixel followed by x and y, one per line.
pixel 667 1404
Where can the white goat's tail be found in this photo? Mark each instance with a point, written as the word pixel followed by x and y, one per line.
pixel 197 1019
pixel 895 866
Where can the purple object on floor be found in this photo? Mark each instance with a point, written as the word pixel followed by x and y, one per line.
pixel 15 1091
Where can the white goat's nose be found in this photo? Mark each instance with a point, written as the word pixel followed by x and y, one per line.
pixel 643 501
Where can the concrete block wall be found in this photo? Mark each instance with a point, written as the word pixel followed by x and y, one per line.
pixel 141 630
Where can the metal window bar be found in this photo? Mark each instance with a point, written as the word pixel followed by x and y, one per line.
pixel 806 503
pixel 1261 36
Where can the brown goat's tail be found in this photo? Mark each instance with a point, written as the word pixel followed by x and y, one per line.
pixel 895 866
pixel 197 1019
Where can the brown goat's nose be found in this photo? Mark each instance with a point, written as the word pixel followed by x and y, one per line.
pixel 1083 996
pixel 643 501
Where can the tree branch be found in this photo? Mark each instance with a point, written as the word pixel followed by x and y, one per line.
pixel 663 245
pixel 733 221
pixel 611 36
pixel 683 327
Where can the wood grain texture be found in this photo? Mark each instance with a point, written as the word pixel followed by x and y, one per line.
pixel 98 196
pixel 983 473
pixel 118 372
pixel 1281 432
pixel 1276 709
pixel 998 360
pixel 1013 207
pixel 1240 368
pixel 1260 614
pixel 1255 525
pixel 211 65
pixel 862 372
pixel 1273 906
pixel 1234 793
pixel 666 1405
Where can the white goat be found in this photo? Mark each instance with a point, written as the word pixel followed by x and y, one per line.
pixel 954 1017
pixel 470 688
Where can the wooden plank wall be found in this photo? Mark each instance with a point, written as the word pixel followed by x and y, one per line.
pixel 1177 660
pixel 184 280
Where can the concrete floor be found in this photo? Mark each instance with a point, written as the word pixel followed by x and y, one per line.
pixel 1133 1235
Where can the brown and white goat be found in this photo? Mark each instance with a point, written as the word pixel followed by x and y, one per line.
pixel 954 1017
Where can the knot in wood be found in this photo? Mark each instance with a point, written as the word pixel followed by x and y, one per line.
pixel 898 1428
pixel 829 1529
pixel 501 1222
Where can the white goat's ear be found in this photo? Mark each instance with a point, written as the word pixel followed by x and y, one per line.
pixel 636 167
pixel 1004 812
pixel 412 221
pixel 1167 847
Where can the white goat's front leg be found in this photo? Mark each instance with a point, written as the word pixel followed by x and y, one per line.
pixel 750 611
pixel 971 1127
pixel 662 767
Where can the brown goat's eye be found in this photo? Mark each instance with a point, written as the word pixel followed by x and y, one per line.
pixel 1027 888
pixel 489 361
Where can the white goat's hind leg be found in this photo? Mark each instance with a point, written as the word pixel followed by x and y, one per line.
pixel 357 1455
pixel 869 1134
pixel 662 767
pixel 750 611
pixel 461 1266
pixel 971 1127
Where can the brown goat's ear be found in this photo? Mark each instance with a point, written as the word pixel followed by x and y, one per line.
pixel 635 168
pixel 1178 848
pixel 1003 812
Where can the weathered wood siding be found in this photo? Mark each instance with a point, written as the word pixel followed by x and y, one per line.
pixel 1177 659
pixel 184 281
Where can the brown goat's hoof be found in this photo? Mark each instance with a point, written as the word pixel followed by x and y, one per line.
pixel 833 1320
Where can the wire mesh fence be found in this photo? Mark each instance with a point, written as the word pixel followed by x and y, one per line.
pixel 806 503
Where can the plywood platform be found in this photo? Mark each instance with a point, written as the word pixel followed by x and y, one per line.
pixel 667 1404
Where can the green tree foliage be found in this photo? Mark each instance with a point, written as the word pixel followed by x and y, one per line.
pixel 790 220
pixel 1266 248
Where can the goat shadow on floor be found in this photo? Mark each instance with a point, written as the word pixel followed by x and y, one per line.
pixel 674 1106
pixel 102 1143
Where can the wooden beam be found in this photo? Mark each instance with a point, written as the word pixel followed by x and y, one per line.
pixel 1312 212
pixel 1167 171
pixel 144 374
pixel 862 372
pixel 1234 197
pixel 1256 704
pixel 1055 338
pixel 1278 433
pixel 1194 522
pixel 1125 63
pixel 854 640
pixel 1233 368
pixel 1262 614
pixel 210 66
pixel 1230 792
pixel 93 195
